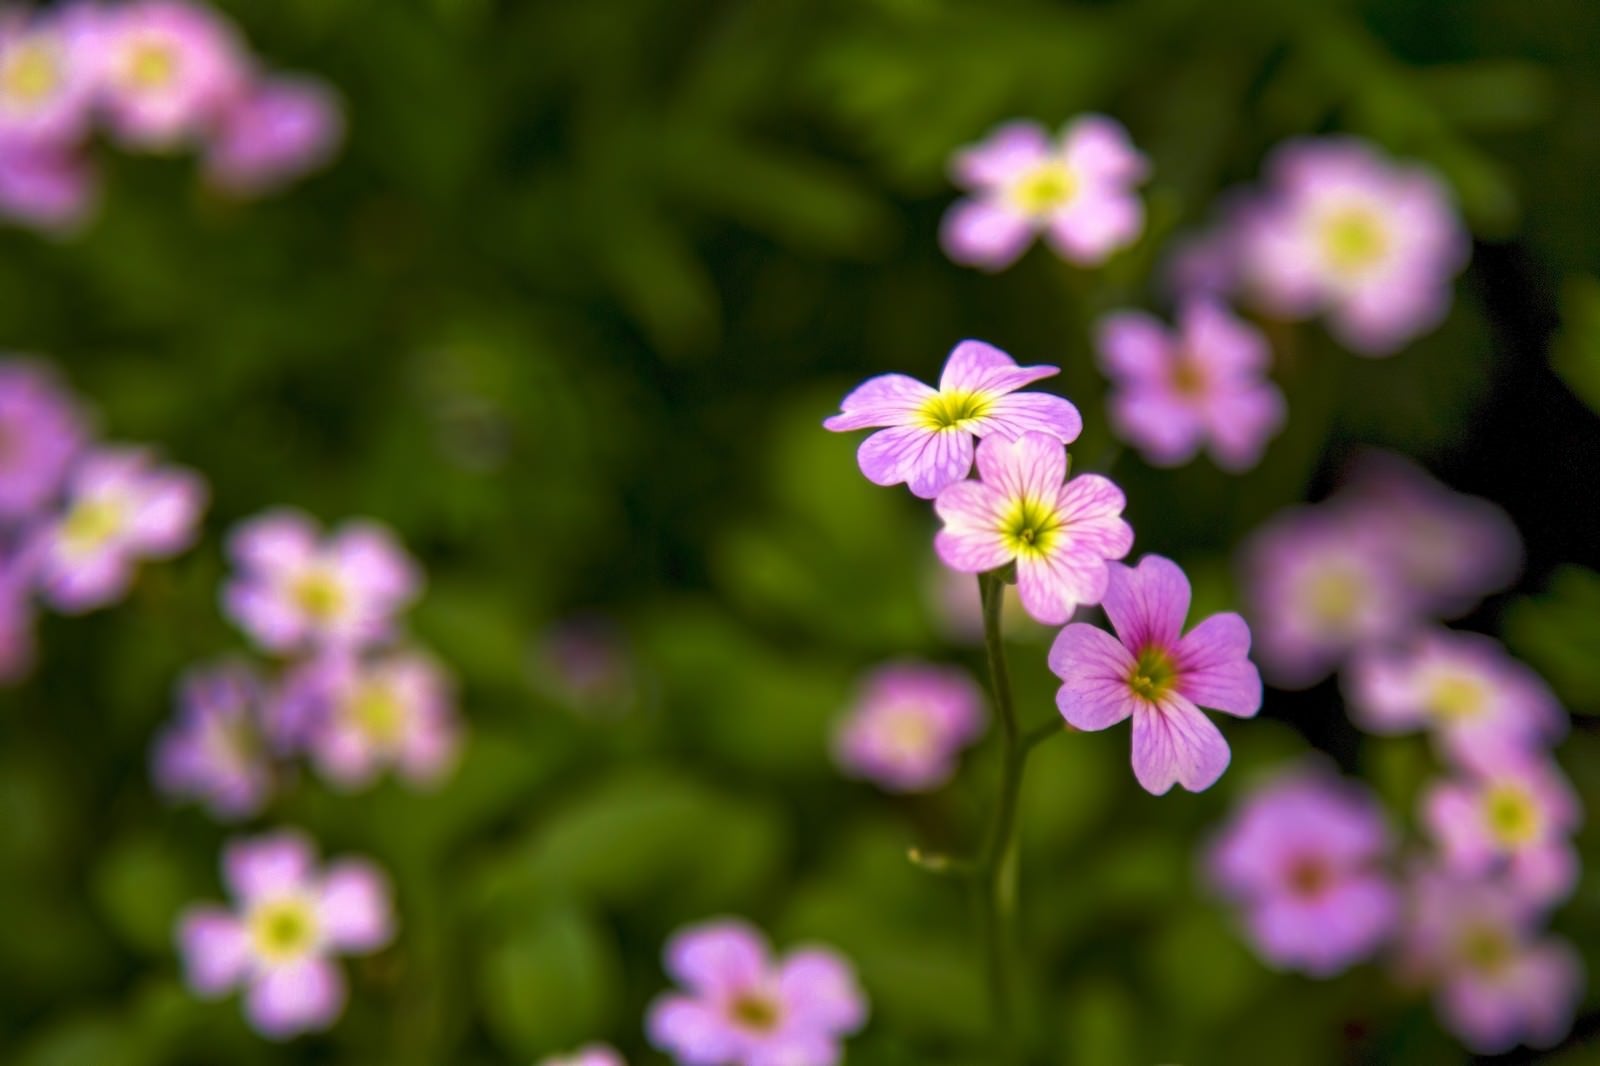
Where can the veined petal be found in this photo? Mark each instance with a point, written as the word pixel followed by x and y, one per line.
pixel 975 366
pixel 1214 667
pixel 1094 668
pixel 1147 604
pixel 1034 412
pixel 1174 743
pixel 971 541
pixel 1052 586
pixel 1030 467
pixel 886 400
pixel 925 459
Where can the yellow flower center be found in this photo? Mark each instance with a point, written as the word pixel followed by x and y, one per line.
pixel 1353 240
pixel 954 410
pixel 1454 697
pixel 1044 189
pixel 754 1012
pixel 31 73
pixel 1031 528
pixel 909 732
pixel 90 524
pixel 151 65
pixel 1485 949
pixel 319 594
pixel 1153 674
pixel 1512 816
pixel 377 712
pixel 1332 598
pixel 282 930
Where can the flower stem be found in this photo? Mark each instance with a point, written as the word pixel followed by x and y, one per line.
pixel 998 864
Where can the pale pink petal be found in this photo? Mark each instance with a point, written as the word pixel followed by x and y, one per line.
pixel 270 865
pixel 1090 228
pixel 886 400
pixel 1009 150
pixel 1174 743
pixel 970 541
pixel 281 540
pixel 926 460
pixel 1221 341
pixel 1214 666
pixel 1147 604
pixel 718 957
pixel 354 911
pixel 1033 412
pixel 1099 148
pixel 1094 669
pixel 303 997
pixel 1240 423
pixel 1133 346
pixel 1165 428
pixel 215 950
pixel 975 366
pixel 1030 467
pixel 984 235
pixel 819 991
pixel 695 1034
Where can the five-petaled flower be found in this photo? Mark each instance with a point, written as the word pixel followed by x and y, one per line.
pixel 169 69
pixel 288 920
pixel 909 724
pixel 926 434
pixel 1078 192
pixel 216 749
pixel 742 1007
pixel 1159 676
pixel 1059 534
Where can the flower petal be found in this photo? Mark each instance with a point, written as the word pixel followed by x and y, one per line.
pixel 354 911
pixel 214 948
pixel 1133 346
pixel 1007 151
pixel 926 460
pixel 1214 666
pixel 970 541
pixel 1093 667
pixel 694 1033
pixel 1147 604
pixel 302 997
pixel 1030 467
pixel 819 991
pixel 1099 148
pixel 1174 743
pixel 975 366
pixel 269 865
pixel 718 957
pixel 984 235
pixel 1033 412
pixel 886 400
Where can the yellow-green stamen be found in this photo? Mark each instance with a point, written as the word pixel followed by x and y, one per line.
pixel 1044 189
pixel 1353 240
pixel 282 930
pixel 1153 674
pixel 954 410
pixel 1031 528
pixel 1512 815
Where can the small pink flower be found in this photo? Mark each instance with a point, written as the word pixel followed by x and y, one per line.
pixel 288 920
pixel 1078 192
pixel 296 589
pixel 46 187
pixel 1496 982
pixel 926 441
pixel 588 1055
pixel 120 508
pixel 1159 676
pixel 169 70
pixel 1318 585
pixel 215 750
pixel 742 1007
pixel 1343 231
pixel 41 432
pixel 908 725
pixel 48 75
pixel 1513 815
pixel 1478 702
pixel 358 716
pixel 273 133
pixel 1303 858
pixel 1204 385
pixel 586 664
pixel 1059 535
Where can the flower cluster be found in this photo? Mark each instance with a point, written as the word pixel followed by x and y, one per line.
pixel 156 76
pixel 77 515
pixel 351 699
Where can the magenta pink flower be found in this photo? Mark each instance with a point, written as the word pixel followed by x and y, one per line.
pixel 1496 982
pixel 46 187
pixel 296 590
pixel 1204 385
pixel 16 618
pixel 274 132
pixel 47 75
pixel 926 439
pixel 1059 535
pixel 1343 231
pixel 287 922
pixel 1078 192
pixel 588 1055
pixel 1302 857
pixel 585 664
pixel 1477 701
pixel 1317 586
pixel 1512 816
pixel 41 432
pixel 1153 672
pixel 908 724
pixel 215 750
pixel 358 716
pixel 740 1006
pixel 169 71
pixel 120 508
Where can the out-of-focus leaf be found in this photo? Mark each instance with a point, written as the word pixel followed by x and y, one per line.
pixel 1577 351
pixel 141 883
pixel 1488 94
pixel 549 981
pixel 1558 632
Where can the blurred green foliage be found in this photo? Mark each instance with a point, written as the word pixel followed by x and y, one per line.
pixel 567 314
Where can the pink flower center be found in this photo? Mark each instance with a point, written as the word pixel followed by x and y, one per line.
pixel 954 410
pixel 1308 877
pixel 754 1012
pixel 31 73
pixel 1153 674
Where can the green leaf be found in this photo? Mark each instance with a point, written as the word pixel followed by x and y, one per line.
pixel 1558 633
pixel 1577 349
pixel 549 981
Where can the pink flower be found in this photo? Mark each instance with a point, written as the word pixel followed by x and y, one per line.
pixel 288 920
pixel 1078 192
pixel 274 132
pixel 585 664
pixel 908 724
pixel 1514 814
pixel 1343 231
pixel 1059 535
pixel 170 69
pixel 120 508
pixel 1477 700
pixel 1496 982
pixel 47 75
pixel 358 716
pixel 927 442
pixel 215 751
pixel 1159 676
pixel 742 1007
pixel 1302 857
pixel 297 590
pixel 41 432
pixel 46 187
pixel 588 1055
pixel 1317 586
pixel 1206 384
pixel 16 618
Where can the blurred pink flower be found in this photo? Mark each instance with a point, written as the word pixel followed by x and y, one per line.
pixel 1302 857
pixel 908 724
pixel 1060 536
pixel 1478 702
pixel 1153 672
pixel 16 618
pixel 120 508
pixel 1077 191
pixel 169 70
pixel 288 919
pixel 926 438
pixel 295 589
pixel 48 75
pixel 274 132
pixel 1341 230
pixel 214 750
pixel 46 187
pixel 41 432
pixel 1205 384
pixel 740 1006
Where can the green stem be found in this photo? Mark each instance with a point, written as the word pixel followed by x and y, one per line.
pixel 998 865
